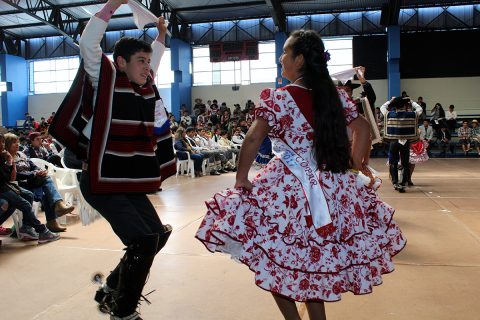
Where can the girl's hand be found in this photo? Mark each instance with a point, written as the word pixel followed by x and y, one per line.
pixel 243 184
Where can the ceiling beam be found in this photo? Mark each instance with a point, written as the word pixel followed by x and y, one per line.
pixel 65 28
pixel 278 14
pixel 229 5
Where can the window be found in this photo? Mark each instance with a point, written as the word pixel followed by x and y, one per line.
pixel 164 76
pixel 341 53
pixel 206 73
pixel 52 75
pixel 264 69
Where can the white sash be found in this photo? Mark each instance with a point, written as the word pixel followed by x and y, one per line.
pixel 304 168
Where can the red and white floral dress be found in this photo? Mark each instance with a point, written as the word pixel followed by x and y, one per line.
pixel 270 228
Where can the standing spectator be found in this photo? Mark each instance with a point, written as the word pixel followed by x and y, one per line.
pixel 451 118
pixel 465 134
pixel 424 108
pixel 437 118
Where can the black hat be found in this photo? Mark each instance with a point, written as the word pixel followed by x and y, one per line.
pixel 349 84
pixel 399 102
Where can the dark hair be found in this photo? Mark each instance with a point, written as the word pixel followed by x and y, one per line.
pixel 128 46
pixel 331 145
pixel 190 129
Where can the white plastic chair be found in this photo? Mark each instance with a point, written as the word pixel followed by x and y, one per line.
pixel 65 181
pixel 67 184
pixel 185 166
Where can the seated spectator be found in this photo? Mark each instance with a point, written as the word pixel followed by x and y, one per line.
pixel 215 157
pixel 202 120
pixel 238 137
pixel 173 121
pixel 43 124
pixel 451 118
pixel 28 123
pixel 183 147
pixel 41 149
pixel 444 141
pixel 21 199
pixel 426 133
pixel 476 135
pixel 37 181
pixel 237 111
pixel 225 120
pixel 465 133
pixel 50 119
pixel 186 119
pixel 3 209
pixel 225 154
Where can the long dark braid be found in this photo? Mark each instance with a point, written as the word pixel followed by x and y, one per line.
pixel 331 145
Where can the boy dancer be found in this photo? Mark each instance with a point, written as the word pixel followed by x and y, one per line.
pixel 108 119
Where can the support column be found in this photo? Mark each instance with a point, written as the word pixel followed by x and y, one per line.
pixel 15 102
pixel 181 53
pixel 280 38
pixel 393 61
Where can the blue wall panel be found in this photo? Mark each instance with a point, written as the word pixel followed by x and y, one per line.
pixel 15 102
pixel 182 86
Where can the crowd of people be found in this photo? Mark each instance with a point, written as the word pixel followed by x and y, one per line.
pixel 22 183
pixel 213 135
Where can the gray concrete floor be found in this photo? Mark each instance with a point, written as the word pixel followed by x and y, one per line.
pixel 437 275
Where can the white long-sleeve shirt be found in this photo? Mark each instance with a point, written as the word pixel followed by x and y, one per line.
pixel 451 115
pixel 416 108
pixel 91 53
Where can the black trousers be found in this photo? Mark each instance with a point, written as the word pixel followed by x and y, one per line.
pixel 131 215
pixel 402 152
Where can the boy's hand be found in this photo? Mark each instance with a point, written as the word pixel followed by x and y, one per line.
pixel 161 26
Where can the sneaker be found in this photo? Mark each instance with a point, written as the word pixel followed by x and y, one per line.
pixel 27 233
pixel 47 236
pixel 5 231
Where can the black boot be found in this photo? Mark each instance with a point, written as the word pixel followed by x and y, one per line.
pixel 163 236
pixel 112 279
pixel 132 275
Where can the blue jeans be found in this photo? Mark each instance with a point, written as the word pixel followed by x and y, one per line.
pixel 48 195
pixel 22 202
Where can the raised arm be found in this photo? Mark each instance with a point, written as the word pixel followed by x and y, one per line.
pixel 158 46
pixel 90 49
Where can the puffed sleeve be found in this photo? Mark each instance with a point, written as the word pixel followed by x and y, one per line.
pixel 351 111
pixel 271 109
